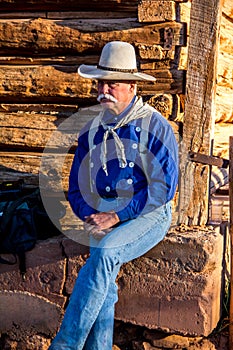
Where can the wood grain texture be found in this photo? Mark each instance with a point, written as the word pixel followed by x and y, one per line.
pixel 156 11
pixel 199 108
pixel 63 84
pixel 79 36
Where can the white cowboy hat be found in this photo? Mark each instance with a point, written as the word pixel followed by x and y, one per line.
pixel 117 62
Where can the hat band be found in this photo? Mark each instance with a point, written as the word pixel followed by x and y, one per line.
pixel 134 70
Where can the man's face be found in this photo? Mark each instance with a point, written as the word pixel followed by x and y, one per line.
pixel 115 95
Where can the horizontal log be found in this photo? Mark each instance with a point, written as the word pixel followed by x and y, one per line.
pixel 62 83
pixel 57 130
pixel 81 5
pixel 49 168
pixel 54 169
pixel 18 130
pixel 173 82
pixel 156 11
pixel 59 5
pixel 79 36
pixel 43 83
pixel 68 14
pixel 92 14
pixel 12 15
pixel 57 109
pixel 148 55
pixel 52 60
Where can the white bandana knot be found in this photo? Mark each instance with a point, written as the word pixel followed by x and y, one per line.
pixel 138 110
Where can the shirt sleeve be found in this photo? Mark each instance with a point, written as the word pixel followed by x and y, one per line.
pixel 80 198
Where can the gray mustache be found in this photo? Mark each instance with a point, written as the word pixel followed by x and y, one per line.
pixel 107 96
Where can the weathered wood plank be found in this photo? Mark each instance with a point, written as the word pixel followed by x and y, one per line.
pixel 51 61
pixel 156 11
pixel 149 56
pixel 173 82
pixel 43 83
pixel 57 130
pixel 79 36
pixel 199 108
pixel 54 168
pixel 18 130
pixel 68 14
pixel 50 169
pixel 59 5
pixel 12 15
pixel 62 83
pixel 47 109
pixel 91 14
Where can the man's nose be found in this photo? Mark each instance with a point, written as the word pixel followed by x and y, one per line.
pixel 105 88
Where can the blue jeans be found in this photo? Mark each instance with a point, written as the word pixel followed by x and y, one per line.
pixel 89 318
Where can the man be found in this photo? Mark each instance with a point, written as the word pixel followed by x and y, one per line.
pixel 122 180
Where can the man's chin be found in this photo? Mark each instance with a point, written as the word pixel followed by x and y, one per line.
pixel 106 104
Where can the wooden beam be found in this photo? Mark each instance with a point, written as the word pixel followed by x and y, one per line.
pixel 209 160
pixel 54 84
pixel 61 5
pixel 199 109
pixel 64 37
pixel 72 5
pixel 69 14
pixel 28 166
pixel 54 128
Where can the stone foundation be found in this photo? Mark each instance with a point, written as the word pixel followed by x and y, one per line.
pixel 176 287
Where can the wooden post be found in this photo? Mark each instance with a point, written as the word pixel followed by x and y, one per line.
pixel 199 112
pixel 231 238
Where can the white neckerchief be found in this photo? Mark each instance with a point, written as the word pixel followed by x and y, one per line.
pixel 137 111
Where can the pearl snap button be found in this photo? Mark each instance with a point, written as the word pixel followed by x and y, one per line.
pixel 134 145
pixel 91 165
pixel 107 189
pixel 129 181
pixel 131 164
pixel 138 129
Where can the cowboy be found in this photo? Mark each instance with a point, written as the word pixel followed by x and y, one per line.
pixel 122 180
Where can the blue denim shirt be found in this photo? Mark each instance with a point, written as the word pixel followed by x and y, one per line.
pixel 127 190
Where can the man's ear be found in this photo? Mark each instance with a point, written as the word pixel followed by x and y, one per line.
pixel 133 86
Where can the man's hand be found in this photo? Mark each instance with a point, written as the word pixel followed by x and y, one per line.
pixel 100 224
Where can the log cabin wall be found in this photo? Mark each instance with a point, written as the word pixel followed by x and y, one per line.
pixel 43 43
pixel 41 46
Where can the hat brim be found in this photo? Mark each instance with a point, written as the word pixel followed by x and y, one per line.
pixel 93 72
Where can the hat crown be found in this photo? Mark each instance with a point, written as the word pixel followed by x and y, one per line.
pixel 118 55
